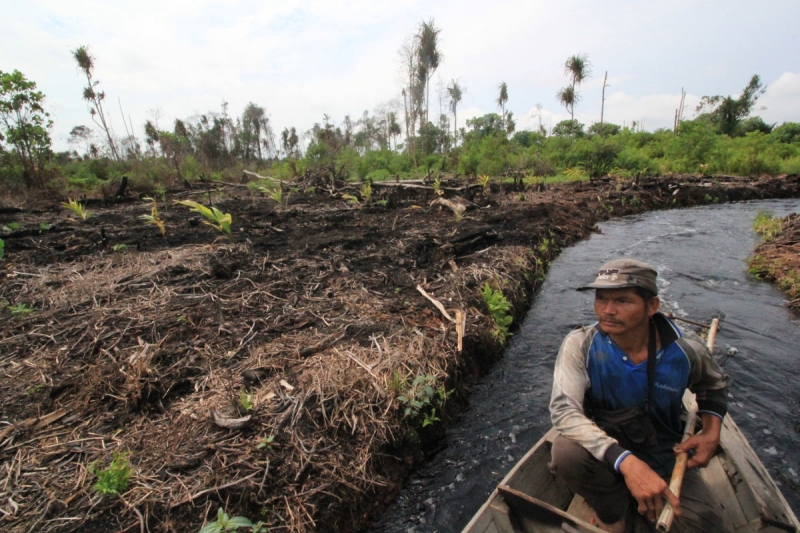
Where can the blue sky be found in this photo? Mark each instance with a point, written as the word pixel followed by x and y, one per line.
pixel 302 59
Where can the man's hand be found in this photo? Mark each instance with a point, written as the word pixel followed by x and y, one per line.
pixel 704 443
pixel 647 487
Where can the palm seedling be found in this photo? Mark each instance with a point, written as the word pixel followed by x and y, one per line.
pixel 77 208
pixel 153 218
pixel 214 217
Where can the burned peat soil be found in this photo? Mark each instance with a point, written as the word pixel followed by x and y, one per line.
pixel 778 260
pixel 282 374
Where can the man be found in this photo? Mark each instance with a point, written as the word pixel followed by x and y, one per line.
pixel 616 403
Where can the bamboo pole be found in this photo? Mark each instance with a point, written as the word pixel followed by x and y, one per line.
pixel 668 513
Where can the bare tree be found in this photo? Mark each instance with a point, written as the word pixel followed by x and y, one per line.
pixel 455 93
pixel 501 101
pixel 603 100
pixel 95 98
pixel 413 93
pixel 679 111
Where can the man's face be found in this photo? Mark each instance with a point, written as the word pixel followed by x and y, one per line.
pixel 621 311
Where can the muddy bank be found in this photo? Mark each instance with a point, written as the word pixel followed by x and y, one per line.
pixel 778 260
pixel 282 374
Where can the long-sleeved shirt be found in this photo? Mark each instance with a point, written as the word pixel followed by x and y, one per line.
pixel 591 366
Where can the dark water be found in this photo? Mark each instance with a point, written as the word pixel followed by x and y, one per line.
pixel 700 254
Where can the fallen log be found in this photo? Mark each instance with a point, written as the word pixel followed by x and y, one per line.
pixel 260 177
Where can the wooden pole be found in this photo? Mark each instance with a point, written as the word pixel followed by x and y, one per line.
pixel 668 513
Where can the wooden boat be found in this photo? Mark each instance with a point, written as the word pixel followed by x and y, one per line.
pixel 530 499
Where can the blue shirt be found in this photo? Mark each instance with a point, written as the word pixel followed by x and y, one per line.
pixel 617 383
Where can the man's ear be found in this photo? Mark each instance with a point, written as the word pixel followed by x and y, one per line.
pixel 653 305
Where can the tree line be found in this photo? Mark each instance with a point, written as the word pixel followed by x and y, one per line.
pixel 401 139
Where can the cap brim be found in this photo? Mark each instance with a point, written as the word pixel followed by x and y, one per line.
pixel 613 285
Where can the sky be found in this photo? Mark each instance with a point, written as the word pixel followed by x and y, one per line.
pixel 302 59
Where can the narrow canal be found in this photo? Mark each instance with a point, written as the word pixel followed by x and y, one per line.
pixel 700 254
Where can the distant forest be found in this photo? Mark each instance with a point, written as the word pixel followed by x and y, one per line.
pixel 402 142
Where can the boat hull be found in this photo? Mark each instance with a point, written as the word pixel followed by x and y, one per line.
pixel 530 499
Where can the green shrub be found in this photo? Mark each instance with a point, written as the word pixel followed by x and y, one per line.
pixel 788 132
pixel 82 178
pixel 752 155
pixel 380 174
pixel 420 398
pixel 790 165
pixel 191 170
pixel 491 154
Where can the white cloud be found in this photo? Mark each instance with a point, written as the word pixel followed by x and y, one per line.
pixel 781 102
pixel 302 58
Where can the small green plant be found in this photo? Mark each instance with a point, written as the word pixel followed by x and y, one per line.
pixel 77 208
pixel 397 382
pixel 635 202
pixel 265 443
pixel 276 193
pixel 757 267
pixel 437 186
pixel 767 225
pixel 383 202
pixel 544 246
pixel 44 226
pixel 21 309
pixel 484 181
pixel 225 524
pixel 11 226
pixel 245 401
pixel 113 479
pixel 429 418
pixel 459 215
pixel 352 199
pixel 420 398
pixel 366 192
pixel 33 389
pixel 153 218
pixel 121 247
pixel 214 217
pixel 2 248
pixel 498 307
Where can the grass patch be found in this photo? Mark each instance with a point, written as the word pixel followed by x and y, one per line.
pixel 767 225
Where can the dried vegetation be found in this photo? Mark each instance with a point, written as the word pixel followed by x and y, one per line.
pixel 264 375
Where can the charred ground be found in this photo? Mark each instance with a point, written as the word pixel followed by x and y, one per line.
pixel 312 313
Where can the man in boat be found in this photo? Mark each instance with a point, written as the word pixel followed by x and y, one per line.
pixel 616 402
